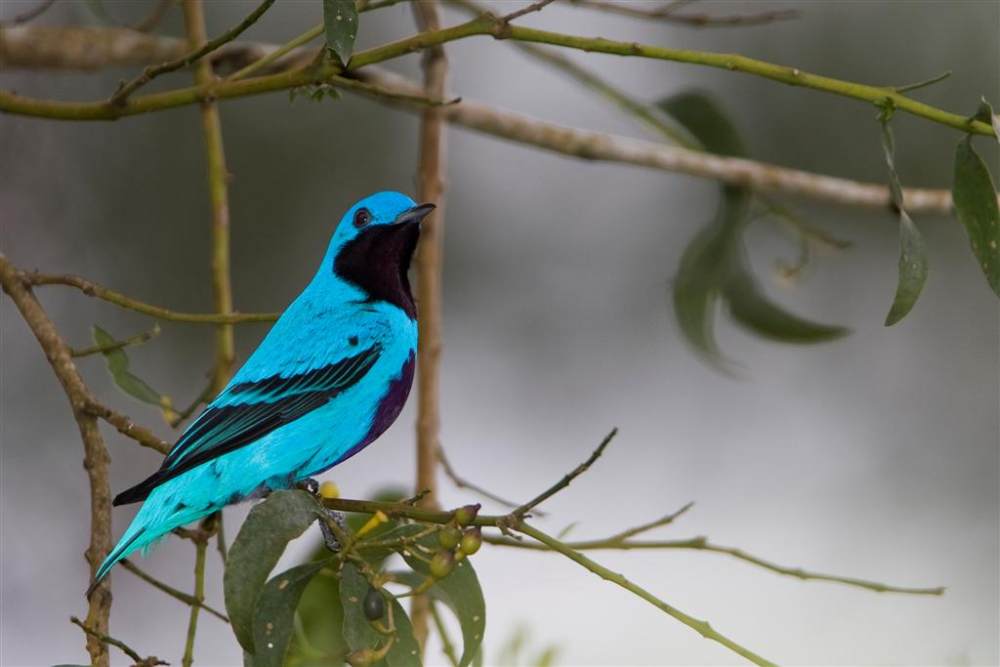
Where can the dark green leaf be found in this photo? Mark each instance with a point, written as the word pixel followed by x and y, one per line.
pixel 460 592
pixel 340 19
pixel 274 613
pixel 975 200
pixel 701 115
pixel 118 367
pixel 359 632
pixel 271 525
pixel 912 252
pixel 322 623
pixel 751 308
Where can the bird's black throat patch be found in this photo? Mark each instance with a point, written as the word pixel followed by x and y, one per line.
pixel 377 261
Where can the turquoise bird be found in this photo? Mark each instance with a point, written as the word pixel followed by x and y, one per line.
pixel 328 379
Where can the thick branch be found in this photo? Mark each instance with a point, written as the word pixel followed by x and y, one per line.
pixel 431 176
pixel 95 458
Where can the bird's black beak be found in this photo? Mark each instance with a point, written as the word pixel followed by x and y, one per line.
pixel 415 214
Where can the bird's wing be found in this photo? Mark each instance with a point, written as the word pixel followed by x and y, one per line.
pixel 247 411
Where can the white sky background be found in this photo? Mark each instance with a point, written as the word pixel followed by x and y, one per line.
pixel 874 457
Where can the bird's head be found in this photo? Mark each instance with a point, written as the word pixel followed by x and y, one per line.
pixel 372 246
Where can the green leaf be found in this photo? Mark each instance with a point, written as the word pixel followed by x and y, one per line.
pixel 271 525
pixel 975 200
pixel 751 308
pixel 340 19
pixel 912 251
pixel 320 633
pixel 460 592
pixel 359 632
pixel 274 613
pixel 703 116
pixel 118 367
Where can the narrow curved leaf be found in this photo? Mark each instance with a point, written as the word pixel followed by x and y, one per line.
pixel 118 366
pixel 340 21
pixel 268 529
pixel 975 200
pixel 359 632
pixel 750 307
pixel 274 614
pixel 912 252
pixel 912 269
pixel 985 114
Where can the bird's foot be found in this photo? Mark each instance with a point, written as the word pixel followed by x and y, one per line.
pixel 329 535
pixel 309 485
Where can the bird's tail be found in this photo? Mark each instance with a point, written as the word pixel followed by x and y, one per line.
pixel 154 520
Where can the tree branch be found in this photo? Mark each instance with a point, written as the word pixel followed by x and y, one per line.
pixel 137 659
pixel 668 13
pixel 497 28
pixel 95 458
pixel 431 176
pixel 200 48
pixel 91 288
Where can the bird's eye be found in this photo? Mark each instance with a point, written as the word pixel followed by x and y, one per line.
pixel 362 217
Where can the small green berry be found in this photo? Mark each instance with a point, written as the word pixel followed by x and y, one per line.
pixel 449 537
pixel 466 515
pixel 472 539
pixel 442 564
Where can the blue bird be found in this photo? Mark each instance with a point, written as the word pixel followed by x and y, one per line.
pixel 328 379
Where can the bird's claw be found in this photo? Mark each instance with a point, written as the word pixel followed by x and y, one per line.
pixel 329 536
pixel 309 485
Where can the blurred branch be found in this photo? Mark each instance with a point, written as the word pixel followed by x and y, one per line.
pixel 617 542
pixel 187 599
pixel 117 298
pixel 463 483
pixel 431 172
pixel 95 459
pixel 668 12
pixel 155 16
pixel 137 339
pixel 585 144
pixel 200 548
pixel 498 28
pixel 194 20
pixel 447 646
pixel 200 47
pixel 137 659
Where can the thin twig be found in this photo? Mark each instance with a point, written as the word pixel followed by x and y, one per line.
pixel 374 90
pixel 533 7
pixel 150 661
pixel 200 547
pixel 171 591
pixel 522 510
pixel 137 339
pixel 463 483
pixel 668 12
pixel 922 84
pixel 306 37
pixel 204 48
pixel 95 458
pixel 126 426
pixel 701 627
pixel 30 14
pixel 703 544
pixel 117 298
pixel 656 523
pixel 204 396
pixel 155 16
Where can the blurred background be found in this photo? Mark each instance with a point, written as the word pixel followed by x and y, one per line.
pixel 875 456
